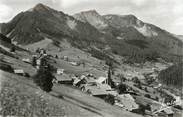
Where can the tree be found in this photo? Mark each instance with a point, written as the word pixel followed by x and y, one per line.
pixel 121 88
pixel 110 82
pixel 43 79
pixel 122 78
pixel 148 107
pixel 142 109
pixel 147 96
pixel 56 56
pixel 110 99
pixel 34 61
pixel 12 49
pixel 43 62
pixel 145 89
pixel 136 80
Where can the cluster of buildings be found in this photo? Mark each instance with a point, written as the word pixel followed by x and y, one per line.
pixel 97 87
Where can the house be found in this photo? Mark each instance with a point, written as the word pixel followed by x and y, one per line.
pixel 19 72
pixel 101 80
pixel 65 58
pixel 162 110
pixel 74 63
pixel 42 51
pixel 94 91
pixel 37 67
pixel 158 86
pixel 26 60
pixel 97 90
pixel 79 81
pixel 167 112
pixel 116 81
pixel 112 92
pixel 60 71
pixel 126 101
pixel 64 79
pixel 38 62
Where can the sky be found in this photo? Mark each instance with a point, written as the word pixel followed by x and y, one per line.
pixel 167 14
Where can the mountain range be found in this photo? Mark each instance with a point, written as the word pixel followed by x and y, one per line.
pixel 124 35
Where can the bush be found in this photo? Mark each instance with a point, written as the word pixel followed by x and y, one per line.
pixel 27 75
pixel 12 49
pixel 121 88
pixel 6 67
pixel 43 79
pixel 110 99
pixel 136 80
pixel 140 110
pixel 145 89
pixel 147 95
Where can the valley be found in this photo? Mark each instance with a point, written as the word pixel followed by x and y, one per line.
pixel 103 66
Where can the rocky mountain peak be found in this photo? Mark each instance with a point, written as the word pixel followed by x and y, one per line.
pixel 92 17
pixel 40 7
pixel 93 11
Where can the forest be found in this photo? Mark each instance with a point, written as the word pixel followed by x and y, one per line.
pixel 172 76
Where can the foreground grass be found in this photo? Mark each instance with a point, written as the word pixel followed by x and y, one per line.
pixel 19 100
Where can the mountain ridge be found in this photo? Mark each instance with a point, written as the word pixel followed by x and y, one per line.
pixel 89 30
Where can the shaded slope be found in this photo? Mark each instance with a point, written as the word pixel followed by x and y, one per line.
pixel 172 76
pixel 30 26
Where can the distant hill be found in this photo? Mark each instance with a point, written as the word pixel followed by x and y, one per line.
pixel 180 37
pixel 172 76
pixel 112 34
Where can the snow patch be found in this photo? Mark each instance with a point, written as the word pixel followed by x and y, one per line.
pixel 72 24
pixel 146 31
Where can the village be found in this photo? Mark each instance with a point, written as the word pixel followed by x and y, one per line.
pixel 142 96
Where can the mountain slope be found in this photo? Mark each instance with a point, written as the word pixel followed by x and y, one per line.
pixel 129 30
pixel 32 25
pixel 99 35
pixel 152 34
pixel 93 18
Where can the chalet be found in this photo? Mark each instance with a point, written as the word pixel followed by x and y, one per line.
pixel 126 101
pixel 37 67
pixel 74 63
pixel 45 54
pixel 158 86
pixel 60 71
pixel 35 55
pixel 97 90
pixel 102 80
pixel 166 113
pixel 19 72
pixel 26 60
pixel 65 58
pixel 64 79
pixel 78 82
pixel 116 81
pixel 38 61
pixel 112 92
pixel 42 51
